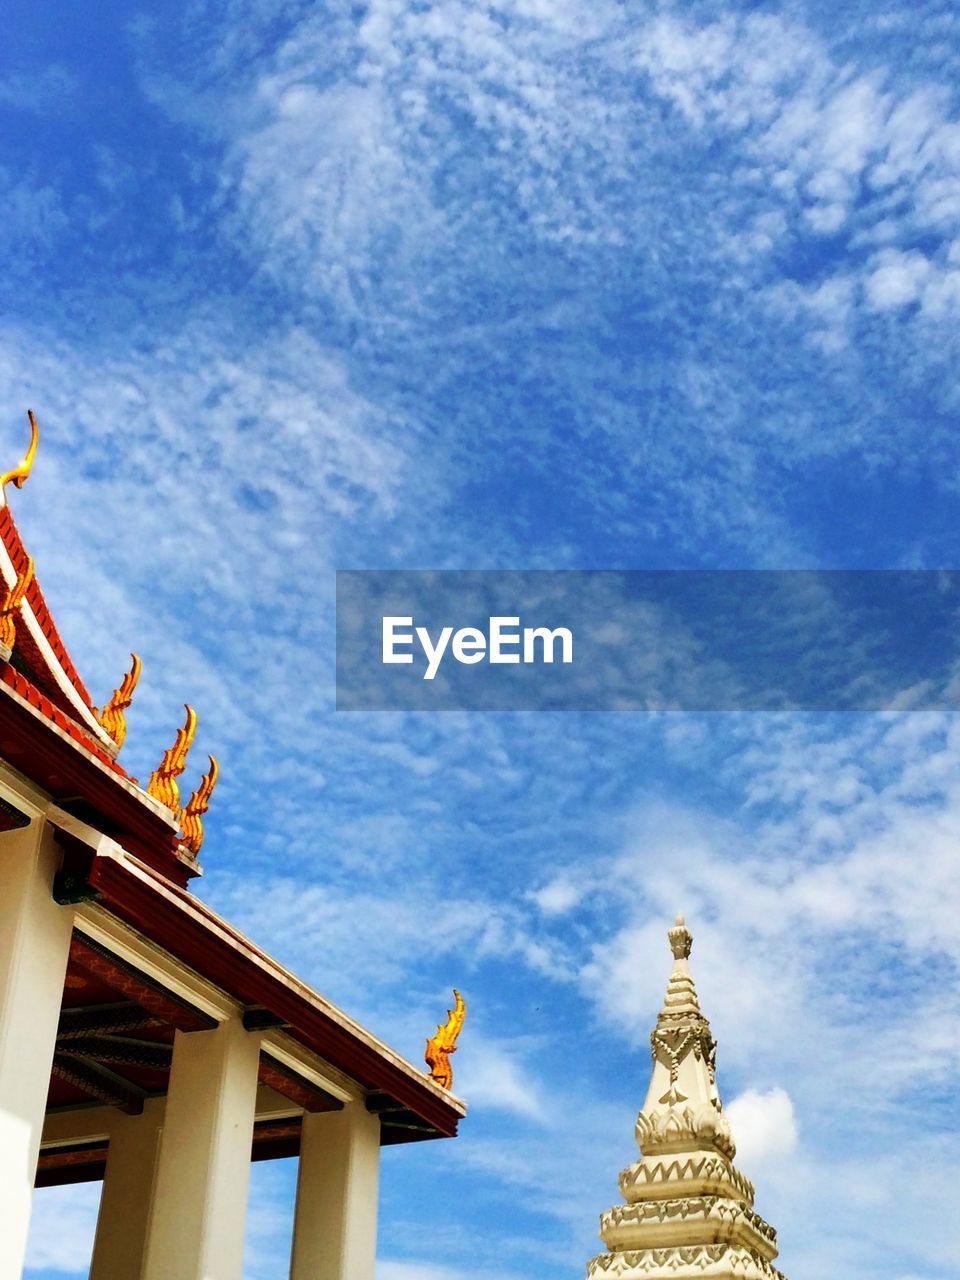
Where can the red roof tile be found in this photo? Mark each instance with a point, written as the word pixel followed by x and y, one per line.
pixel 10 537
pixel 20 684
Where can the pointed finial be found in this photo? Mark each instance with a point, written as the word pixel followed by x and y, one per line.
pixel 440 1046
pixel 112 716
pixel 196 807
pixel 163 781
pixel 19 474
pixel 681 940
pixel 11 604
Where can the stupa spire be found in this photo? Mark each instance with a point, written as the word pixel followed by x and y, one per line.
pixel 681 998
pixel 689 1211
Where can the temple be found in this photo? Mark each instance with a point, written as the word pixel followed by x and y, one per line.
pixel 143 1041
pixel 689 1211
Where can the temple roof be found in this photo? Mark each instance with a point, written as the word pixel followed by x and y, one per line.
pixel 52 732
pixel 689 1211
pixel 49 728
pixel 129 852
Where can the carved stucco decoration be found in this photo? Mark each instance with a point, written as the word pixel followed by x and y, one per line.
pixel 720 1261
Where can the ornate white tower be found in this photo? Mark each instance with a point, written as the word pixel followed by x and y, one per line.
pixel 689 1212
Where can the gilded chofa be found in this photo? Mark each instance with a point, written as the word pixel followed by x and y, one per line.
pixel 19 474
pixel 163 781
pixel 191 826
pixel 113 717
pixel 444 1043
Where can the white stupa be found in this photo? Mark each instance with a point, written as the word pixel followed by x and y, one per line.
pixel 688 1212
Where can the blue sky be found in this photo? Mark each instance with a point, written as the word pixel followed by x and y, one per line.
pixel 295 287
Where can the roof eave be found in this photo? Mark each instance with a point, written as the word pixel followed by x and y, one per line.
pixel 64 768
pixel 195 935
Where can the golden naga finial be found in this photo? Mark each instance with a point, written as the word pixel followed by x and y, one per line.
pixel 163 781
pixel 11 604
pixel 440 1047
pixel 197 806
pixel 19 474
pixel 112 716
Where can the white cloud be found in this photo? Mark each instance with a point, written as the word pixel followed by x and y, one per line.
pixel 384 168
pixel 491 1076
pixel 198 450
pixel 835 859
pixel 351 139
pixel 763 1125
pixel 320 921
pixel 826 218
pixel 823 134
pixel 558 896
pixel 897 279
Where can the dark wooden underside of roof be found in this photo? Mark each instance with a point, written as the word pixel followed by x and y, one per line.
pixel 114 1048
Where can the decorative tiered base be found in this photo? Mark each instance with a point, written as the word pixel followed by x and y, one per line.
pixel 699 1220
pixel 711 1261
pixel 687 1214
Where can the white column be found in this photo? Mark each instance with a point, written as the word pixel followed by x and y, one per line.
pixel 127 1196
pixel 196 1227
pixel 335 1227
pixel 34 947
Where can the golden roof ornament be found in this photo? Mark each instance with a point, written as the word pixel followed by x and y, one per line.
pixel 440 1046
pixel 11 605
pixel 19 474
pixel 196 807
pixel 112 717
pixel 163 781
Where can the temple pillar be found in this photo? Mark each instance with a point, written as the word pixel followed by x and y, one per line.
pixel 335 1226
pixel 121 1240
pixel 34 947
pixel 196 1227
